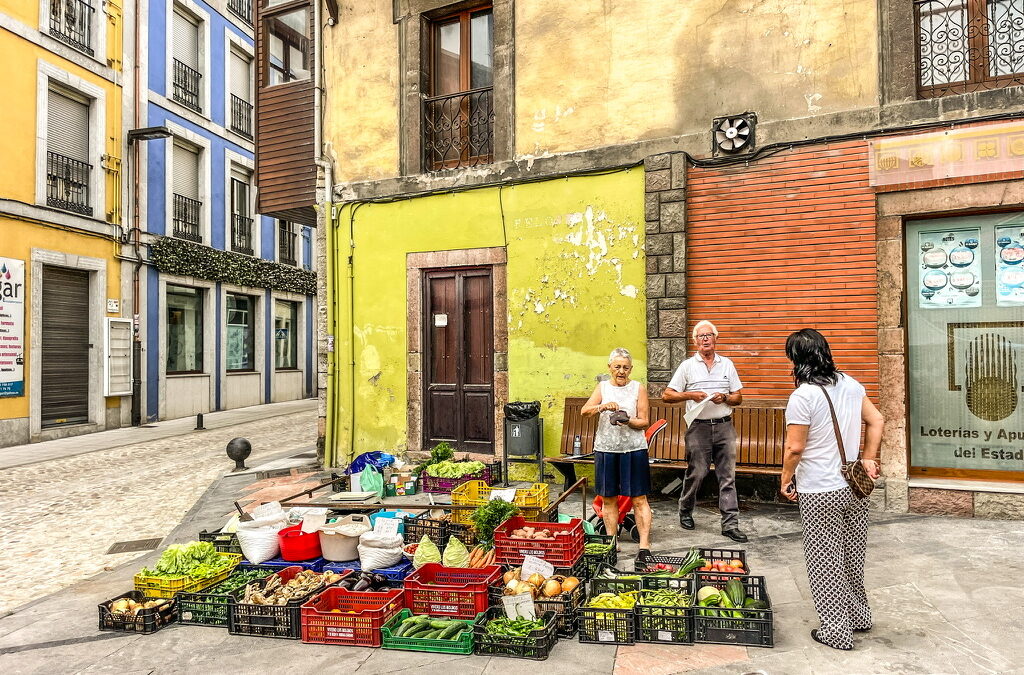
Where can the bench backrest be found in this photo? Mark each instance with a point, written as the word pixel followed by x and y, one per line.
pixel 761 432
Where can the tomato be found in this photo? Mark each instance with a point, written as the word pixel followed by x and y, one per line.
pixel 706 568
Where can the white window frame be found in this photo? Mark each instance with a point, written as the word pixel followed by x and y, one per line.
pixel 107 391
pixel 205 182
pixel 210 346
pixel 259 337
pixel 300 347
pixel 45 75
pixel 203 20
pixel 233 41
pixel 98 30
pixel 232 158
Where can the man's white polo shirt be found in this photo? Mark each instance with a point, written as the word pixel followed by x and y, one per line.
pixel 694 375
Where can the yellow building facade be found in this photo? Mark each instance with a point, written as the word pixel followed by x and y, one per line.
pixel 65 332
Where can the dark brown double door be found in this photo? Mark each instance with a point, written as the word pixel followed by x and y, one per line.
pixel 459 355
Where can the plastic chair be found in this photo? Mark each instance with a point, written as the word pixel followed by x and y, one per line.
pixel 627 521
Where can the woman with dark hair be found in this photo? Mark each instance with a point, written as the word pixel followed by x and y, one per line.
pixel 835 521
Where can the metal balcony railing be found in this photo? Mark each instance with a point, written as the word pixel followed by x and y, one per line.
pixel 71 23
pixel 186 86
pixel 286 246
pixel 458 129
pixel 67 183
pixel 968 45
pixel 186 218
pixel 241 234
pixel 242 9
pixel 241 116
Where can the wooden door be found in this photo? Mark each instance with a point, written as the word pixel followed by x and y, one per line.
pixel 458 331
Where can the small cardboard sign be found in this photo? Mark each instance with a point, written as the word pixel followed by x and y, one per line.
pixel 605 636
pixel 386 525
pixel 519 606
pixel 507 494
pixel 534 565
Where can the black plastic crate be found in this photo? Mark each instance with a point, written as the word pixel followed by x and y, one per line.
pixel 603 625
pixel 223 542
pixel 565 606
pixel 537 646
pixel 276 621
pixel 592 562
pixel 667 625
pixel 439 531
pixel 145 621
pixel 754 628
pixel 210 608
pixel 709 554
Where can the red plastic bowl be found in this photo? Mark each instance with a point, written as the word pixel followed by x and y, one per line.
pixel 297 545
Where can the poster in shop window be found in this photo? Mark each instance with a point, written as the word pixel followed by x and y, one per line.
pixel 1010 265
pixel 949 269
pixel 12 327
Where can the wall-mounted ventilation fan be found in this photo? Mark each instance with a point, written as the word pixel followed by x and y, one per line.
pixel 733 135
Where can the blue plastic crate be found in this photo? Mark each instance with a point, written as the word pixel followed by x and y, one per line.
pixel 316 564
pixel 396 573
pixel 398 515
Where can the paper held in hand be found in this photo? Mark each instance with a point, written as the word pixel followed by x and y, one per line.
pixel 386 526
pixel 519 606
pixel 534 565
pixel 507 494
pixel 692 413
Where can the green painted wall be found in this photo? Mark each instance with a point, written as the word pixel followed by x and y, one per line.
pixel 575 277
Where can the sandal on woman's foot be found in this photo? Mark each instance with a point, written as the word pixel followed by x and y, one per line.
pixel 814 636
pixel 862 630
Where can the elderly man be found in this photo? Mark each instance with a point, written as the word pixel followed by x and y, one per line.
pixel 711 437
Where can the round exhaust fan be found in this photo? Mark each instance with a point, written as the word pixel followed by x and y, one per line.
pixel 733 134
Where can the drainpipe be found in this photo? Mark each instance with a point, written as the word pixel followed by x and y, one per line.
pixel 136 300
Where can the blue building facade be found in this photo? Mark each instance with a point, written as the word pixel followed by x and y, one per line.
pixel 213 344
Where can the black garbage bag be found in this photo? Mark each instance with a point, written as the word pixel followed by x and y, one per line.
pixel 520 411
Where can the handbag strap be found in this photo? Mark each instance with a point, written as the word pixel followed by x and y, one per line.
pixel 835 424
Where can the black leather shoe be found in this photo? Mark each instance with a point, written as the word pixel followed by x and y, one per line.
pixel 686 522
pixel 735 535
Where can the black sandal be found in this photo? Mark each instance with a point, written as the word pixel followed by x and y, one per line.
pixel 814 636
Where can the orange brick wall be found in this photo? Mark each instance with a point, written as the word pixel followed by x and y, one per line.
pixel 785 243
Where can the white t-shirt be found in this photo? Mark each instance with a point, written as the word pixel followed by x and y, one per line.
pixel 694 375
pixel 620 437
pixel 818 470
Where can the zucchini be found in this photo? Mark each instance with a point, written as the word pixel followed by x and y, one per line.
pixel 440 624
pixel 432 635
pixel 452 631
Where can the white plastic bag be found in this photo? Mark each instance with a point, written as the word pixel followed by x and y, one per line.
pixel 377 551
pixel 258 537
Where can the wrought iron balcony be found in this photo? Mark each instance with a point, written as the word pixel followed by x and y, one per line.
pixel 186 218
pixel 71 23
pixel 241 116
pixel 458 129
pixel 286 246
pixel 241 234
pixel 968 45
pixel 242 9
pixel 186 86
pixel 67 183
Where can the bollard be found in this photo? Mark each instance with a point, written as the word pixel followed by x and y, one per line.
pixel 238 449
pixel 199 423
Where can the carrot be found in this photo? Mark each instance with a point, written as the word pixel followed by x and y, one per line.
pixel 474 556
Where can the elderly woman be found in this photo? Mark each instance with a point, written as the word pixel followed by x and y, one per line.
pixel 621 466
pixel 835 521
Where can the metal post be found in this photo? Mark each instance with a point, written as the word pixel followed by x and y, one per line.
pixel 199 423
pixel 136 381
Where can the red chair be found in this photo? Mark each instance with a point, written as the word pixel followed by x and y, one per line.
pixel 627 521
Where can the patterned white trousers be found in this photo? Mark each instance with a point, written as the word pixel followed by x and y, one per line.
pixel 835 541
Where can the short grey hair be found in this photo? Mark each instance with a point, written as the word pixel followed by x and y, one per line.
pixel 703 324
pixel 620 353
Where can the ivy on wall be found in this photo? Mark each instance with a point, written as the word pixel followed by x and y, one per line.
pixel 177 256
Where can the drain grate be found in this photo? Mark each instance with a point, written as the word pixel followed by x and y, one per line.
pixel 134 545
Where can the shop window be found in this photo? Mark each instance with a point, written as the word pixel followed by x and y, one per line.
pixel 241 342
pixel 286 343
pixel 965 325
pixel 184 330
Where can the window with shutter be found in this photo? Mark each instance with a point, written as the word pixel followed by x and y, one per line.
pixel 186 193
pixel 240 85
pixel 185 69
pixel 67 152
pixel 118 362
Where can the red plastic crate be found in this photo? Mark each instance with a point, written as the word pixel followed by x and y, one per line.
pixel 458 592
pixel 562 551
pixel 358 623
pixel 297 545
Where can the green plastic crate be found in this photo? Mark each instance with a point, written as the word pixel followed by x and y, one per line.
pixel 463 645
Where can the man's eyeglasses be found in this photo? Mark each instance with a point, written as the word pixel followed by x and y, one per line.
pixel 705 336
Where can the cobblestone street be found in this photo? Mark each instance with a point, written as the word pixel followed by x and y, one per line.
pixel 62 515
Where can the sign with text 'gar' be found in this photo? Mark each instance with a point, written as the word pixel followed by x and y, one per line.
pixel 12 327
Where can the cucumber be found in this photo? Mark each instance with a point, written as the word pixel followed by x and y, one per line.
pixel 419 632
pixel 452 631
pixel 432 635
pixel 440 624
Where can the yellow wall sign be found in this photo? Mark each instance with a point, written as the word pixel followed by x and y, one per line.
pixel 970 151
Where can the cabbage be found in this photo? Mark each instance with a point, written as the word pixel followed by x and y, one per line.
pixel 455 554
pixel 426 552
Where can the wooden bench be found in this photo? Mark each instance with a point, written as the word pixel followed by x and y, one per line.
pixel 760 431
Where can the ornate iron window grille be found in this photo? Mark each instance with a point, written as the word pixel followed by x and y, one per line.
pixel 968 45
pixel 286 245
pixel 186 218
pixel 71 23
pixel 67 183
pixel 242 9
pixel 241 116
pixel 241 234
pixel 186 86
pixel 458 129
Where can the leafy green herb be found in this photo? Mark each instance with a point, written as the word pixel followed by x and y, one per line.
pixel 489 516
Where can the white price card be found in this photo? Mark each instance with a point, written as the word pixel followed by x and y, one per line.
pixel 386 525
pixel 665 636
pixel 519 606
pixel 507 494
pixel 534 565
pixel 605 636
pixel 313 520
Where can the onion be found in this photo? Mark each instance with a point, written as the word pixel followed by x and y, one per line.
pixel 510 575
pixel 570 584
pixel 536 579
pixel 552 588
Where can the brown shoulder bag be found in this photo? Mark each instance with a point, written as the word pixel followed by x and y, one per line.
pixel 854 472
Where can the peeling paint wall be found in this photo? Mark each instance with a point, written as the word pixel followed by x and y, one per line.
pixel 575 275
pixel 594 73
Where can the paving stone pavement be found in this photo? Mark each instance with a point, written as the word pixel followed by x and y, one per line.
pixel 60 516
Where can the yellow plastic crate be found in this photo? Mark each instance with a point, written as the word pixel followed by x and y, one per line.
pixel 475 493
pixel 168 587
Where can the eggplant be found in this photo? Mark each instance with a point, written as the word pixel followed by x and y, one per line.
pixel 362 585
pixel 379 581
pixel 347 583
